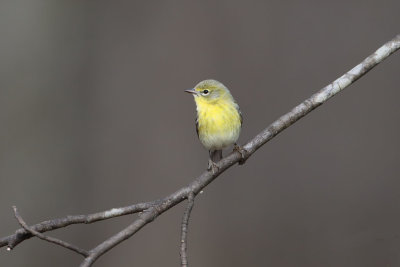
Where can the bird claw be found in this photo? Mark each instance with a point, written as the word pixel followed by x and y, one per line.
pixel 212 166
pixel 243 153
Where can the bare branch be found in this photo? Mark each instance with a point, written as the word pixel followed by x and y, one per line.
pixel 248 149
pixel 48 238
pixel 323 95
pixel 147 216
pixel 153 209
pixel 252 146
pixel 185 222
pixel 22 234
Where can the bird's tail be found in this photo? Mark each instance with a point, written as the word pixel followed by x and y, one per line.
pixel 216 155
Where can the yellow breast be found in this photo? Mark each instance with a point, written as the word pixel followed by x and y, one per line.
pixel 218 123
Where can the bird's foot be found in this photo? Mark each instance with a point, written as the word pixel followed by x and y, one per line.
pixel 243 153
pixel 212 166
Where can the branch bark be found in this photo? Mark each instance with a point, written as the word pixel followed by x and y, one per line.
pixel 48 238
pixel 22 234
pixel 184 230
pixel 151 210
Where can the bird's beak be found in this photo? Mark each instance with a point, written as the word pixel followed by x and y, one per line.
pixel 191 91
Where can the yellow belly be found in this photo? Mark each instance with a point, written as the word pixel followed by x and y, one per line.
pixel 218 124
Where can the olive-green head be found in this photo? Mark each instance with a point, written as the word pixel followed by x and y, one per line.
pixel 210 91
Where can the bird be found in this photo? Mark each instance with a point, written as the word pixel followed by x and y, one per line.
pixel 218 121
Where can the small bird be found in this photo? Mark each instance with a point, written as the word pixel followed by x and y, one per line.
pixel 218 121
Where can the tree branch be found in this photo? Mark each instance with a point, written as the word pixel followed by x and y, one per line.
pixel 252 146
pixel 184 230
pixel 22 234
pixel 48 238
pixel 152 210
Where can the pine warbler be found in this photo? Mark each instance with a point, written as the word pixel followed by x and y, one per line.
pixel 219 119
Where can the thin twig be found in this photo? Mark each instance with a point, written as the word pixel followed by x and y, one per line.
pixel 152 211
pixel 184 230
pixel 48 238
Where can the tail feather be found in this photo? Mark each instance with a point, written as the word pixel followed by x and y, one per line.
pixel 216 155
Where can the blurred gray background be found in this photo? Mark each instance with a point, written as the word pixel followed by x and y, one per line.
pixel 93 116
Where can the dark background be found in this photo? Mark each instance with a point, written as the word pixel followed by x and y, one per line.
pixel 93 116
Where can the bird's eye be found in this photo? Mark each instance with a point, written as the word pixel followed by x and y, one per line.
pixel 205 92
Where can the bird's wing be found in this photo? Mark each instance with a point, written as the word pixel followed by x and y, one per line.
pixel 197 126
pixel 240 114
